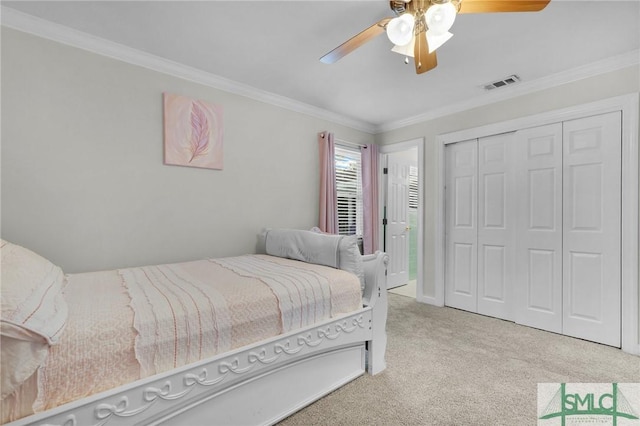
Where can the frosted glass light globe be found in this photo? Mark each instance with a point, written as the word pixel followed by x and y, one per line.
pixel 440 17
pixel 400 29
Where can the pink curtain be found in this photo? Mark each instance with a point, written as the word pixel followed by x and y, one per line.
pixel 328 199
pixel 370 197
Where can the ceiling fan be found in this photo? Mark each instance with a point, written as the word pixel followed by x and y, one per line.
pixel 421 26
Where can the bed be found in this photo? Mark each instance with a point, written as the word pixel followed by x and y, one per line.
pixel 240 340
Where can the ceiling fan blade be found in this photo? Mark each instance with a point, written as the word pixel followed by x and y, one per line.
pixel 424 60
pixel 355 42
pixel 490 6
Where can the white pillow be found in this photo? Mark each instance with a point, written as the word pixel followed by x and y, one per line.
pixel 349 255
pixel 31 296
pixel 306 246
pixel 33 313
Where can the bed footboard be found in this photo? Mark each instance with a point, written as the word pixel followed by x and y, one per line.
pixel 254 385
pixel 375 296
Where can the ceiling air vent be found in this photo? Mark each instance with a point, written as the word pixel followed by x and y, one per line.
pixel 500 83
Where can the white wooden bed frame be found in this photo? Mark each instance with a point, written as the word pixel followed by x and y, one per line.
pixel 254 385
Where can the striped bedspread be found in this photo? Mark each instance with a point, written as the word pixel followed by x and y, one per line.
pixel 181 318
pixel 132 323
pixel 304 296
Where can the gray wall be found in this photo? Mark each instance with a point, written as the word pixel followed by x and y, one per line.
pixel 579 92
pixel 604 86
pixel 84 185
pixel 83 181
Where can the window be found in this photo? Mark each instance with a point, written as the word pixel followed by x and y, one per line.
pixel 413 187
pixel 349 190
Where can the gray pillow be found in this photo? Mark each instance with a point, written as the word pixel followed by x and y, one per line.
pixel 348 255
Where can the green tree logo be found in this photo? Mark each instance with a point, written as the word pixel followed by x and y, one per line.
pixel 566 404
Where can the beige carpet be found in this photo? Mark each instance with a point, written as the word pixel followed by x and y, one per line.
pixel 407 290
pixel 450 367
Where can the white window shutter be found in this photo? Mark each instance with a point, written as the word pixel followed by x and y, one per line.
pixel 349 191
pixel 413 187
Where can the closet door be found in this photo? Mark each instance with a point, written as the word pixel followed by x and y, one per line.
pixel 538 284
pixel 496 227
pixel 461 225
pixel 592 221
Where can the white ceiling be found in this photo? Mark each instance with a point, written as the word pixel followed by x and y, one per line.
pixel 274 46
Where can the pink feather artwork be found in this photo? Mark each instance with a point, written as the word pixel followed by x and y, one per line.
pixel 193 132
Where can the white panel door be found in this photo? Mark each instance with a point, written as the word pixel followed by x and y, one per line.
pixel 538 283
pixel 461 225
pixel 397 229
pixel 496 227
pixel 592 220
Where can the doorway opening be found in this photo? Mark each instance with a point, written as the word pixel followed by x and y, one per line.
pixel 402 214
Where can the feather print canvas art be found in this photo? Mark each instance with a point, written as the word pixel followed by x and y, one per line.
pixel 192 132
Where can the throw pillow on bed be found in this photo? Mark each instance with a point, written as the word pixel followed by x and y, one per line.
pixel 32 292
pixel 33 312
pixel 315 246
pixel 349 255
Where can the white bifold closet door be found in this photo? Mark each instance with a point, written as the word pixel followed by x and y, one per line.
pixel 568 238
pixel 538 284
pixel 461 270
pixel 592 175
pixel 533 227
pixel 496 226
pixel 480 228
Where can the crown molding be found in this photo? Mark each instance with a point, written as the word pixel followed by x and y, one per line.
pixel 600 67
pixel 20 21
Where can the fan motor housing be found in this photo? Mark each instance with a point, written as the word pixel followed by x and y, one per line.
pixel 413 6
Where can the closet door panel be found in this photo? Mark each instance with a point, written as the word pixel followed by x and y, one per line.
pixel 538 254
pixel 592 227
pixel 495 226
pixel 461 225
pixel 542 270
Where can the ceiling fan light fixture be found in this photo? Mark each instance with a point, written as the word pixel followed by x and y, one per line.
pixel 422 26
pixel 407 49
pixel 440 17
pixel 436 40
pixel 400 29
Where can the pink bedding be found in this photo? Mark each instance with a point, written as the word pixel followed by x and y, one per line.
pixel 129 324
